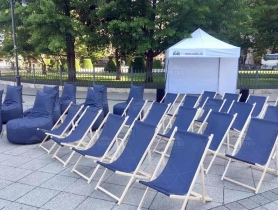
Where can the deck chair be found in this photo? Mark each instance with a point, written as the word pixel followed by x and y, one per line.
pixel 276 102
pixel 211 104
pixel 271 113
pixel 259 145
pixel 191 101
pixel 184 120
pixel 77 135
pixel 102 142
pixel 170 98
pixel 185 162
pixel 260 101
pixel 230 97
pixel 218 124
pixel 62 126
pixel 134 111
pixel 205 95
pixel 156 113
pixel 138 146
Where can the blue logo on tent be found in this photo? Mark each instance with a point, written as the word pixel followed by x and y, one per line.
pixel 176 53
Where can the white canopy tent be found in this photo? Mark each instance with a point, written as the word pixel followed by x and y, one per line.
pixel 201 62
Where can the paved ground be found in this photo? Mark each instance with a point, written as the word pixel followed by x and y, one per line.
pixel 30 179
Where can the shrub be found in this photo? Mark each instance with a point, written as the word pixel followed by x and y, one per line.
pixel 110 66
pixel 77 64
pixel 157 64
pixel 87 63
pixel 138 65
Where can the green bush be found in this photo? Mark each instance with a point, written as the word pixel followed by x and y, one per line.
pixel 87 63
pixel 138 65
pixel 77 64
pixel 110 66
pixel 157 64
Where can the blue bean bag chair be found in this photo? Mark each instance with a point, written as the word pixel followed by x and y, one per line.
pixel 136 92
pixel 24 130
pixel 68 96
pixel 1 126
pixel 57 108
pixel 94 100
pixel 12 106
pixel 103 89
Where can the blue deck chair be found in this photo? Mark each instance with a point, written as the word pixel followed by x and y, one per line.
pixel 230 97
pixel 103 141
pixel 191 101
pixel 184 120
pixel 205 95
pixel 62 126
pixel 211 104
pixel 134 110
pixel 271 113
pixel 156 113
pixel 76 136
pixel 130 160
pixel 185 162
pixel 257 148
pixel 219 125
pixel 170 98
pixel 68 96
pixel 260 101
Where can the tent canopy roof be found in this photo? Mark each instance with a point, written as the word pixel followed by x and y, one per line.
pixel 202 44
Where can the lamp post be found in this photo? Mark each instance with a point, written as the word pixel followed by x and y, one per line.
pixel 17 77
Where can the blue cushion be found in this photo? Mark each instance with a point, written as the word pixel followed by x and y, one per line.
pixel 119 108
pixel 94 99
pixel 12 106
pixel 1 93
pixel 44 105
pixel 57 108
pixel 103 89
pixel 136 92
pixel 68 96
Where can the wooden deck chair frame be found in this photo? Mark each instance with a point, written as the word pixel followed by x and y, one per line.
pixel 79 142
pixel 276 102
pixel 106 157
pixel 263 108
pixel 60 120
pixel 139 116
pixel 135 174
pixel 235 130
pixel 191 195
pixel 216 153
pixel 256 166
pixel 170 123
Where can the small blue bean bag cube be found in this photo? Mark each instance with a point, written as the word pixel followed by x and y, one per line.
pixel 136 92
pixel 24 130
pixel 12 106
pixel 68 96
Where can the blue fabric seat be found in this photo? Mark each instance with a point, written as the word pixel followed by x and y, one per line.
pixel 24 130
pixel 134 111
pixel 12 106
pixel 211 104
pixel 271 113
pixel 1 125
pixel 68 96
pixel 183 166
pixel 230 97
pixel 205 95
pixel 136 92
pixel 190 101
pixel 260 103
pixel 156 113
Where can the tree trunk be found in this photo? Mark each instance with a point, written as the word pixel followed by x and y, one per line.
pixel 43 68
pixel 149 65
pixel 71 57
pixel 118 64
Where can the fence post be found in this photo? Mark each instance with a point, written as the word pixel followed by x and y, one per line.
pixel 60 74
pixel 34 74
pixel 131 71
pixel 256 80
pixel 94 75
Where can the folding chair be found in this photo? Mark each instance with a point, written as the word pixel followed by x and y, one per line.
pixel 77 135
pixel 130 160
pixel 170 98
pixel 191 101
pixel 181 171
pixel 205 95
pixel 230 97
pixel 134 110
pixel 243 111
pixel 271 113
pixel 259 145
pixel 260 101
pixel 62 126
pixel 102 143
pixel 218 124
pixel 211 104
pixel 184 120
pixel 156 113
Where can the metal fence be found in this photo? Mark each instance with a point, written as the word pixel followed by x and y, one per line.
pixel 85 78
pixel 247 79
